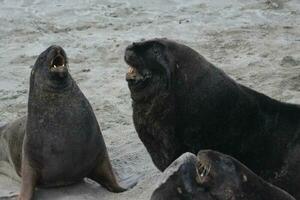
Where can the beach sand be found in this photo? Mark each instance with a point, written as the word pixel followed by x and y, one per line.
pixel 256 42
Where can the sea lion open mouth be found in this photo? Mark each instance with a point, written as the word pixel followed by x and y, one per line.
pixel 135 78
pixel 138 74
pixel 132 73
pixel 203 171
pixel 58 64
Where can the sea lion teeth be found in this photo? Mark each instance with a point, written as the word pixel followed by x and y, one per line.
pixel 204 172
pixel 131 70
pixel 54 66
pixel 200 170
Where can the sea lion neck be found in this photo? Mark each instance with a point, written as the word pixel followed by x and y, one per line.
pixel 63 89
pixel 59 86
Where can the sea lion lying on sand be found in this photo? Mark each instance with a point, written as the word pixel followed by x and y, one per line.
pixel 183 103
pixel 214 176
pixel 59 142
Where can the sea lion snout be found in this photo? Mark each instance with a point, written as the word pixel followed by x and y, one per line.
pixel 206 155
pixel 132 74
pixel 132 59
pixel 204 167
pixel 58 61
pixel 58 57
pixel 133 55
pixel 133 45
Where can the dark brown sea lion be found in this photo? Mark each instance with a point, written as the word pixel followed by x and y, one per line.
pixel 59 142
pixel 214 176
pixel 183 103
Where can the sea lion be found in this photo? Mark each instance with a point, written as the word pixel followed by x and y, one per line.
pixel 214 176
pixel 59 142
pixel 183 103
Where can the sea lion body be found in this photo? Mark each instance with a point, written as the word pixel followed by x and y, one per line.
pixel 63 136
pixel 11 138
pixel 214 176
pixel 183 103
pixel 59 142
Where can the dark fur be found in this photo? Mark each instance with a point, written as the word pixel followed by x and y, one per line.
pixel 62 131
pixel 225 179
pixel 178 182
pixel 188 104
pixel 59 142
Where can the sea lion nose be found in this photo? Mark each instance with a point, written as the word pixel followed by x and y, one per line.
pixel 132 46
pixel 128 54
pixel 57 49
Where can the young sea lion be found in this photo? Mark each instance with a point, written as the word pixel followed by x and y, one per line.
pixel 214 176
pixel 59 142
pixel 182 103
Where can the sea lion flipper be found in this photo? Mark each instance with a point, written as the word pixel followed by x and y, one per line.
pixel 29 180
pixel 104 175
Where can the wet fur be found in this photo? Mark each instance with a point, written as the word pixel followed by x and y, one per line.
pixel 203 108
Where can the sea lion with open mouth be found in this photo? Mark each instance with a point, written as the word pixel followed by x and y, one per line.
pixel 59 142
pixel 214 176
pixel 183 103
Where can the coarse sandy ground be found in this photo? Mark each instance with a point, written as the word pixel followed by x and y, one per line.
pixel 257 42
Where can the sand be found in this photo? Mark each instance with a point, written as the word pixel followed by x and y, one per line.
pixel 257 42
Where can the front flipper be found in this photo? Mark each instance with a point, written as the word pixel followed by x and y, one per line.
pixel 104 175
pixel 29 180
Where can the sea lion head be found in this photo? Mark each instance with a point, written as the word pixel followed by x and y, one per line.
pixel 154 64
pixel 178 181
pixel 148 68
pixel 50 70
pixel 219 174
